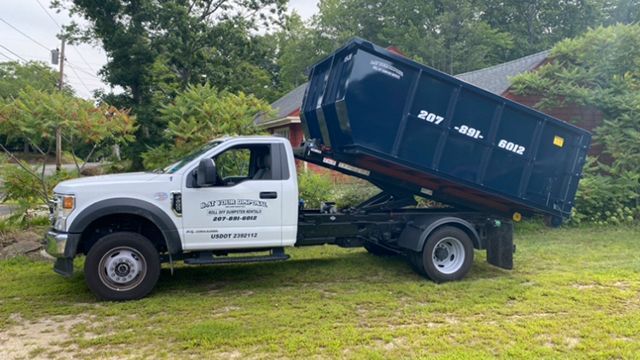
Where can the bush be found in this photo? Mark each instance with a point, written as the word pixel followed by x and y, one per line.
pixel 19 185
pixel 605 199
pixel 317 187
pixel 351 194
pixel 314 188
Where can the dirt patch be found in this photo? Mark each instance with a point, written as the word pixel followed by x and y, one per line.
pixel 572 342
pixel 40 339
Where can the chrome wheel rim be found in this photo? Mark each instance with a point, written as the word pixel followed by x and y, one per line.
pixel 448 255
pixel 122 268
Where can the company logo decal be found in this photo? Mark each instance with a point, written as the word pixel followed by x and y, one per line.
pixel 227 203
pixel 387 69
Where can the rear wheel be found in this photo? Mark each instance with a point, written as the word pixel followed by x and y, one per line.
pixel 378 250
pixel 447 255
pixel 122 266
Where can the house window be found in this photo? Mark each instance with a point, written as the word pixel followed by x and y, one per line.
pixel 282 132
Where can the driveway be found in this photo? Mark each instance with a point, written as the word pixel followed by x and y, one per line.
pixel 5 210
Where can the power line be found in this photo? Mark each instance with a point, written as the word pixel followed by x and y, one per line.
pixel 1 53
pixel 80 79
pixel 9 50
pixel 83 59
pixel 25 35
pixel 80 69
pixel 46 48
pixel 72 46
pixel 48 14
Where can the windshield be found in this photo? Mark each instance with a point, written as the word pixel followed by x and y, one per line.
pixel 187 159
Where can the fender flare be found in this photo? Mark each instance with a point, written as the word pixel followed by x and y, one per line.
pixel 130 206
pixel 415 234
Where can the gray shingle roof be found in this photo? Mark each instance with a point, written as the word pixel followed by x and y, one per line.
pixel 285 105
pixel 497 79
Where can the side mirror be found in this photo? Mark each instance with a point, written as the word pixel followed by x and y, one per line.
pixel 206 173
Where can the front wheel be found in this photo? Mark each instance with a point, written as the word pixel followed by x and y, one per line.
pixel 122 266
pixel 447 255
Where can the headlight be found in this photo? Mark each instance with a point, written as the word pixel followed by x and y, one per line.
pixel 63 206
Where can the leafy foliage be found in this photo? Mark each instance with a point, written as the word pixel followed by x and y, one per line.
pixel 34 115
pixel 15 77
pixel 537 25
pixel 606 199
pixel 600 69
pixel 314 188
pixel 199 114
pixel 157 48
pixel 452 36
pixel 445 35
pixel 20 185
pixel 352 193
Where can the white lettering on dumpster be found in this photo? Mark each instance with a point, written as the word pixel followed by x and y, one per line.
pixel 509 146
pixel 469 131
pixel 430 117
pixel 387 69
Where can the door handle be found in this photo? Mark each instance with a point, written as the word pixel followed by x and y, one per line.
pixel 268 195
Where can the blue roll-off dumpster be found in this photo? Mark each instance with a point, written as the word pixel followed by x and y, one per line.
pixel 407 123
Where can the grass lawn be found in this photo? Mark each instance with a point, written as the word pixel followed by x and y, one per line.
pixel 573 293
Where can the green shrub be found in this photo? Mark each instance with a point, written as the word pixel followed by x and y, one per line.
pixel 314 188
pixel 603 199
pixel 353 193
pixel 19 185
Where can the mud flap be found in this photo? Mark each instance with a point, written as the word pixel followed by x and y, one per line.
pixel 500 247
pixel 64 267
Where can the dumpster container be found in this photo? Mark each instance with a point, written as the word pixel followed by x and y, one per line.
pixel 460 144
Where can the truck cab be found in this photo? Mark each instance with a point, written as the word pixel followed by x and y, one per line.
pixel 242 193
pixel 237 193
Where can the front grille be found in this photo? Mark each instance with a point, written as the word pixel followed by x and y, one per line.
pixel 53 208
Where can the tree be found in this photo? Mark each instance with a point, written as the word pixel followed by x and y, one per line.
pixel 155 46
pixel 537 25
pixel 620 11
pixel 600 69
pixel 34 115
pixel 447 35
pixel 37 75
pixel 298 46
pixel 199 114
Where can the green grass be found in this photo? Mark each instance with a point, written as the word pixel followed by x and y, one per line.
pixel 573 293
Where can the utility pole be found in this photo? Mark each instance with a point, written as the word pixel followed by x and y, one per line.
pixel 58 130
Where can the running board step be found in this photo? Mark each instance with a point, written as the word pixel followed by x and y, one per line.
pixel 207 259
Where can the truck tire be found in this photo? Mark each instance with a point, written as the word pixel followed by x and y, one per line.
pixel 447 255
pixel 378 250
pixel 122 266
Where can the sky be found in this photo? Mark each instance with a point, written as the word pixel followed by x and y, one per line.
pixel 36 19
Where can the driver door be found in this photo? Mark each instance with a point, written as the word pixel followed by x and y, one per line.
pixel 243 209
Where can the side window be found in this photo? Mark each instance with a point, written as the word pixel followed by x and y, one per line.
pixel 244 163
pixel 233 163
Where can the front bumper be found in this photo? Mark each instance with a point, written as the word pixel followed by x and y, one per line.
pixel 62 246
pixel 56 243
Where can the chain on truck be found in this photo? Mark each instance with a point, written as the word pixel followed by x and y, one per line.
pixel 408 129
